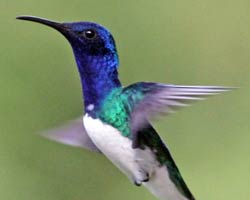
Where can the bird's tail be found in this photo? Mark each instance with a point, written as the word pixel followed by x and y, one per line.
pixel 164 188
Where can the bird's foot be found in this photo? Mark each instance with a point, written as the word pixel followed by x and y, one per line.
pixel 141 179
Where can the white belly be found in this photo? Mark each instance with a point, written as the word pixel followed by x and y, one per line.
pixel 112 144
pixel 119 150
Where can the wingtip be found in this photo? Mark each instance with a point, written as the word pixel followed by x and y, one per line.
pixel 228 89
pixel 233 88
pixel 208 89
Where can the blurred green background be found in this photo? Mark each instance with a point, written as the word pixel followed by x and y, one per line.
pixel 183 42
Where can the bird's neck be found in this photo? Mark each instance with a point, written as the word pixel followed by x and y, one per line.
pixel 99 77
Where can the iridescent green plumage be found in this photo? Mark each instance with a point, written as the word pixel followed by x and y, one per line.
pixel 117 107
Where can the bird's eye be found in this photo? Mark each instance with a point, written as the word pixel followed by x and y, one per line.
pixel 89 34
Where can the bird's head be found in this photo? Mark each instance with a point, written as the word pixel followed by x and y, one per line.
pixel 95 55
pixel 92 43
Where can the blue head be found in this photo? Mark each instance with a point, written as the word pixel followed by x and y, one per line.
pixel 95 54
pixel 93 46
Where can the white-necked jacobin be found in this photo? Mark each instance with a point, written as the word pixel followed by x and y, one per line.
pixel 116 119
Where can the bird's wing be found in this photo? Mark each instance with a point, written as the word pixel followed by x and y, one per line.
pixel 150 99
pixel 73 134
pixel 146 100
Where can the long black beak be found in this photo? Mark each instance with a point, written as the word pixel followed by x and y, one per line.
pixel 56 25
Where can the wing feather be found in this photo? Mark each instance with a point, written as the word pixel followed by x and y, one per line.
pixel 165 99
pixel 73 134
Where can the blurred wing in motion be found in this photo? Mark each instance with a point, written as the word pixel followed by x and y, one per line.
pixel 73 134
pixel 150 99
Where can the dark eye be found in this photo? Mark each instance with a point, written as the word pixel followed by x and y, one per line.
pixel 89 34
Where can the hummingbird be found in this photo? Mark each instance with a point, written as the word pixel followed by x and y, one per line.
pixel 117 120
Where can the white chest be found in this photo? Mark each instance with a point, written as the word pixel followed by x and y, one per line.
pixel 112 144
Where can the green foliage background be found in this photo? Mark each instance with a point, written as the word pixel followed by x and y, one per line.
pixel 182 42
